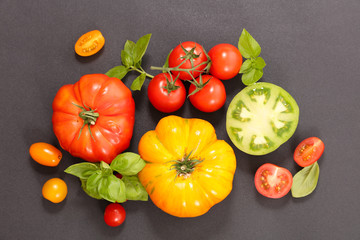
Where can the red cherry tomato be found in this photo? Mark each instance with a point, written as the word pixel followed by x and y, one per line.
pixel 211 97
pixel 114 214
pixel 273 181
pixel 178 55
pixel 226 61
pixel 159 96
pixel 308 151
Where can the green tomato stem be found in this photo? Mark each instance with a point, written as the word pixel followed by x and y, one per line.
pixel 141 71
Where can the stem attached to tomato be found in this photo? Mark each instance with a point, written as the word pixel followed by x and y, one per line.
pixel 185 166
pixel 89 117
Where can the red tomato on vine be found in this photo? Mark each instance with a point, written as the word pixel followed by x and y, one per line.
pixel 208 94
pixel 188 56
pixel 166 93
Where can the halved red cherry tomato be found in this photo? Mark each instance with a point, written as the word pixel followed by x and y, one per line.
pixel 45 154
pixel 89 43
pixel 308 151
pixel 114 214
pixel 273 181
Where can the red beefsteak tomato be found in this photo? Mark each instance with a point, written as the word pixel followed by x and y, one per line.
pixel 93 119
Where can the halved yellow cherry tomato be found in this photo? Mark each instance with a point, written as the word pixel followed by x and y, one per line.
pixel 45 154
pixel 89 43
pixel 54 190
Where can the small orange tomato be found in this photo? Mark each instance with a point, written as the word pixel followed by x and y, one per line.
pixel 89 43
pixel 54 190
pixel 45 154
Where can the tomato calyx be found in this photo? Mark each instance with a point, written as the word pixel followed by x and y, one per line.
pixel 89 117
pixel 189 55
pixel 170 84
pixel 185 166
pixel 198 85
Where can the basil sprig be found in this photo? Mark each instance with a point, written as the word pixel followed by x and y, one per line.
pixel 252 67
pixel 305 181
pixel 98 179
pixel 131 57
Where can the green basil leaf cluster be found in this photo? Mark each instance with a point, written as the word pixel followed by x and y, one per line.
pixel 98 179
pixel 131 57
pixel 252 67
pixel 305 181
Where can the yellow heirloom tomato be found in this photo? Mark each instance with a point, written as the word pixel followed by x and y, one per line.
pixel 188 169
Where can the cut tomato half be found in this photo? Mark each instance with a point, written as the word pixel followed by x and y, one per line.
pixel 89 43
pixel 261 117
pixel 308 151
pixel 273 181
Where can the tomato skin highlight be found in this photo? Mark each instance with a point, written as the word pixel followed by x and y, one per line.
pixel 211 97
pixel 159 97
pixel 45 154
pixel 114 214
pixel 54 190
pixel 226 61
pixel 308 151
pixel 176 55
pixel 89 43
pixel 273 181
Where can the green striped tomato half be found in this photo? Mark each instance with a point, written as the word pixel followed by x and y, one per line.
pixel 261 117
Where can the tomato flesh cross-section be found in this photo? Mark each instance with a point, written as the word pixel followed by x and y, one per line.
pixel 308 151
pixel 273 181
pixel 261 117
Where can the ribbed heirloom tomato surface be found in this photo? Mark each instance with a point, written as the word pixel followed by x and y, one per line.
pixel 188 169
pixel 93 119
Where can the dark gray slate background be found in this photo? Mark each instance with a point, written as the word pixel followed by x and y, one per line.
pixel 311 49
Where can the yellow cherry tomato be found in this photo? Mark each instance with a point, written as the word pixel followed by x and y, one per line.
pixel 54 190
pixel 45 154
pixel 188 169
pixel 89 43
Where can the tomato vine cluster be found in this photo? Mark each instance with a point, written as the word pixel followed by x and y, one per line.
pixel 189 62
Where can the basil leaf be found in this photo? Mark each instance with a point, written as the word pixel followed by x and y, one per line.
pixel 117 72
pixel 129 47
pixel 92 184
pixel 248 46
pixel 138 82
pixel 126 58
pixel 246 66
pixel 138 64
pixel 82 170
pixel 134 189
pixel 105 169
pixel 128 164
pixel 140 47
pixel 166 64
pixel 305 181
pixel 252 76
pixel 112 189
pixel 259 63
pixel 91 194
